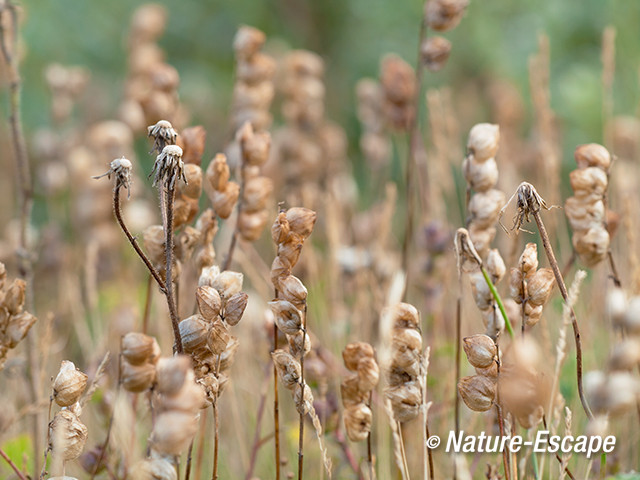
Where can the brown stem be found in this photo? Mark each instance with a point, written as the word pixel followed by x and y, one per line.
pixel 458 354
pixel 13 466
pixel 256 435
pixel 187 470
pixel 214 475
pixel 302 386
pixel 169 196
pixel 147 305
pixel 505 453
pixel 430 454
pixel 565 295
pixel 614 270
pixel 133 241
pixel 369 450
pixel 276 412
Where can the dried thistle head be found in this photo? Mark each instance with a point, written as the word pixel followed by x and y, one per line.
pixel 169 166
pixel 163 134
pixel 528 202
pixel 121 169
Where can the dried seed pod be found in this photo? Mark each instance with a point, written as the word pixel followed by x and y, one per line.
pixel 209 302
pixel 173 431
pixel 528 262
pixel 483 140
pixel 280 268
pixel 153 239
pixel 289 251
pixel 223 201
pixel 193 187
pixel 234 309
pixel 256 193
pixel 248 41
pixel 540 285
pixel 592 155
pixel 280 229
pixel 515 285
pixel 303 401
pixel 228 283
pixel 69 384
pixel 67 436
pixel 138 378
pixel 288 368
pixel 354 352
pixel 351 392
pixel 477 392
pixel 251 225
pixel 14 297
pixel 368 374
pixel 480 350
pixel 218 172
pixel 625 355
pixel 154 469
pixel 589 181
pixel 193 331
pixel 443 15
pixel 19 326
pixel 357 422
pixel 406 316
pixel 591 245
pixel 299 343
pixel 484 207
pixel 435 52
pixel 255 145
pixel 218 337
pixel 229 354
pixel 405 400
pixel 490 372
pixel 190 398
pixel 406 345
pixel 293 290
pixel 287 317
pixel 481 176
pixel 138 348
pixel 171 373
pixel 495 266
pixel 480 290
pixel 301 221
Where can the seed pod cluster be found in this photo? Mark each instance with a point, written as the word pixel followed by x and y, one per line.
pixel 374 141
pixel 529 286
pixel 359 358
pixel 67 434
pixel 253 91
pixel 177 400
pixel 478 391
pixel 15 322
pixel 491 316
pixel 586 210
pixel 404 390
pixel 151 88
pixel 256 189
pixel 398 82
pixel 481 172
pixel 140 354
pixel 222 192
pixel 206 336
pixel 290 375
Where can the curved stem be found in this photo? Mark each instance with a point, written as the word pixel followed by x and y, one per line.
pixel 13 466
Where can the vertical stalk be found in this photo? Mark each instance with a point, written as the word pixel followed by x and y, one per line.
pixel 302 385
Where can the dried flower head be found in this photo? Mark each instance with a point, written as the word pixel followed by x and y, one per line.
pixel 169 166
pixel 163 134
pixel 121 169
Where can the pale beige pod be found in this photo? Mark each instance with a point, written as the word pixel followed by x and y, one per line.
pixel 138 348
pixel 288 318
pixel 540 285
pixel 288 368
pixel 303 401
pixel 209 302
pixel 483 141
pixel 228 283
pixel 173 431
pixel 171 373
pixel 592 155
pixel 69 384
pixel 301 220
pixel 299 343
pixel 368 373
pixel 481 176
pixel 405 400
pixel 19 325
pixel 138 378
pixel 235 307
pixel 218 337
pixel 357 422
pixel 477 392
pixel 293 290
pixel 193 331
pixel 354 352
pixel 67 436
pixel 480 349
pixel 153 469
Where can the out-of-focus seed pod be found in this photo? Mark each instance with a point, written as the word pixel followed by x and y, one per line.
pixel 288 318
pixel 406 316
pixel 495 265
pixel 405 400
pixel 189 398
pixel 354 352
pixel 357 422
pixel 173 431
pixel 480 349
pixel 443 15
pixel 248 41
pixel 592 155
pixel 288 368
pixel 153 240
pixel 193 331
pixel 69 384
pixel 171 373
pixel 218 173
pixel 14 297
pixel 223 201
pixel 153 469
pixel 625 355
pixel 591 245
pixel 138 348
pixel 481 176
pixel 67 436
pixel 301 221
pixel 351 392
pixel 435 52
pixel 588 181
pixel 632 316
pixel 616 304
pixel 256 193
pixel 293 290
pixel 477 392
pixel 19 326
pixel 540 285
pixel 138 378
pixel 480 290
pixel 484 208
pixel 218 337
pixel 193 187
pixel 209 302
pixel 228 283
pixel 368 374
pixel 528 262
pixel 234 309
pixel 299 343
pixel 483 141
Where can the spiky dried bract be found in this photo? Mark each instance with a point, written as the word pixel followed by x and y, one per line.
pixel 169 166
pixel 356 389
pixel 69 384
pixel 163 134
pixel 120 168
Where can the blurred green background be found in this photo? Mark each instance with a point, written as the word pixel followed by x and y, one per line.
pixel 494 40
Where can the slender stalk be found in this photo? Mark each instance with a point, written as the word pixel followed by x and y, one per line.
pixel 405 465
pixel 187 470
pixel 498 300
pixel 13 466
pixel 302 385
pixel 147 305
pixel 256 435
pixel 276 412
pixel 200 452
pixel 429 453
pixel 133 241
pixel 614 270
pixel 369 449
pixel 342 441
pixel 167 197
pixel 565 295
pixel 505 452
pixel 214 475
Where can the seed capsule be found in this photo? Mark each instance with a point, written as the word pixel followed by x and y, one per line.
pixel 592 155
pixel 540 285
pixel 193 331
pixel 209 302
pixel 354 352
pixel 139 348
pixel 138 378
pixel 171 373
pixel 67 436
pixel 357 422
pixel 477 392
pixel 234 309
pixel 483 140
pixel 480 350
pixel 69 384
pixel 301 221
pixel 288 368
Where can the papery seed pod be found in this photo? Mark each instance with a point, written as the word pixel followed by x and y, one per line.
pixel 138 378
pixel 351 392
pixel 406 316
pixel 227 357
pixel 193 331
pixel 280 228
pixel 405 401
pixel 540 285
pixel 293 290
pixel 189 398
pixel 287 317
pixel 434 52
pixel 289 251
pixel 477 392
pixel 171 374
pixel 299 343
pixel 193 187
pixel 153 239
pixel 443 15
pixel 490 372
pixel 483 141
pixel 234 309
pixel 248 41
pixel 223 201
pixel 251 225
pixel 254 145
pixel 354 352
pixel 173 431
pixel 303 401
pixel 218 337
pixel 280 268
pixel 209 302
pixel 625 355
pixel 192 141
pixel 592 155
pixel 495 266
pixel 256 193
pixel 14 297
pixel 481 176
pixel 19 326
pixel 591 245
pixel 208 275
pixel 406 341
pixel 228 283
pixel 301 221
pixel 368 374
pixel 67 436
pixel 588 181
pixel 69 384
pixel 153 469
pixel 138 348
pixel 218 172
pixel 480 290
pixel 484 207
pixel 528 262
pixel 357 422
pixel 616 304
pixel 288 368
pixel 515 285
pixel 480 350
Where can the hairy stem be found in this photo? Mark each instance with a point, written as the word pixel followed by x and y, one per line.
pixel 565 295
